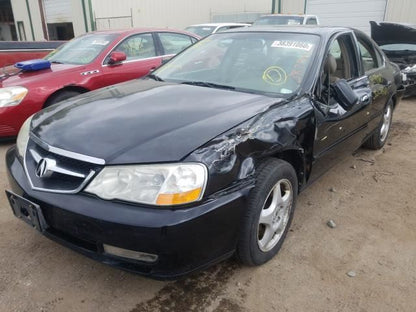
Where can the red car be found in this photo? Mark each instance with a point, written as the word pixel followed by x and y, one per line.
pixel 88 62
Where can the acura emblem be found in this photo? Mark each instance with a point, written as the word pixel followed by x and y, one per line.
pixel 45 167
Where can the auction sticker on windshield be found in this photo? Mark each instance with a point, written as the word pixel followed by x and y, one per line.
pixel 292 45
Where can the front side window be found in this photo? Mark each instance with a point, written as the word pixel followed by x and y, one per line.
pixel 267 63
pixel 137 47
pixel 81 50
pixel 174 43
pixel 341 59
pixel 340 63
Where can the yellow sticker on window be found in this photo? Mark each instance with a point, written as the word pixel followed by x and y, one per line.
pixel 275 75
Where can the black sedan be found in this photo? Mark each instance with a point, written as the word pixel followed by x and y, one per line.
pixel 205 157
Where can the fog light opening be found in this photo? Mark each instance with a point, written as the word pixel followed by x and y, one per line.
pixel 130 254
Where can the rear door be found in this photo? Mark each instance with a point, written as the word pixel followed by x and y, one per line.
pixel 172 43
pixel 381 78
pixel 339 131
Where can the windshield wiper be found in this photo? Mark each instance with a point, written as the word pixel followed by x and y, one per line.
pixel 208 84
pixel 155 77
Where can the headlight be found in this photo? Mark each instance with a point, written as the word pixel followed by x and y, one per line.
pixel 163 185
pixel 23 137
pixel 12 96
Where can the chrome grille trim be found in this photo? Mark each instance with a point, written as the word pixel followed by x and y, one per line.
pixel 65 153
pixel 77 190
pixel 37 158
pixel 56 168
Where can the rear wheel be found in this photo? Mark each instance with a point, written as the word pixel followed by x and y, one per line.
pixel 61 96
pixel 269 213
pixel 379 138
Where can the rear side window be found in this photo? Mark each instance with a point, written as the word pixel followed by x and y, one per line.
pixel 174 43
pixel 369 57
pixel 223 28
pixel 311 21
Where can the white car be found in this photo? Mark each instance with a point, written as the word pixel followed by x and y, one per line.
pixel 204 30
pixel 287 19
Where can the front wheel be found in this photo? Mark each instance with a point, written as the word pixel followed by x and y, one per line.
pixel 269 213
pixel 379 138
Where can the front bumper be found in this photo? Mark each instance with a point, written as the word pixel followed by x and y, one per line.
pixel 184 239
pixel 12 117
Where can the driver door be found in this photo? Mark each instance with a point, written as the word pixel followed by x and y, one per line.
pixel 340 130
pixel 141 58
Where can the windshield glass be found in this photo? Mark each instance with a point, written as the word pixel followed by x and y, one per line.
pixel 81 50
pixel 266 63
pixel 201 31
pixel 399 47
pixel 279 20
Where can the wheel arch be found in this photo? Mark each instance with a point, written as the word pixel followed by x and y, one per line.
pixel 66 88
pixel 295 157
pixel 395 100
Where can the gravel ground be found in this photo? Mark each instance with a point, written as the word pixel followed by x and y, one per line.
pixel 366 262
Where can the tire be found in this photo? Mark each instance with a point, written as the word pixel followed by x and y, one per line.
pixel 379 138
pixel 263 230
pixel 61 96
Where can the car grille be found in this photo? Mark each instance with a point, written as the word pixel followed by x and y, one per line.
pixel 49 171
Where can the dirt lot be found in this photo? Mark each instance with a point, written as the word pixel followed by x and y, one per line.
pixel 371 197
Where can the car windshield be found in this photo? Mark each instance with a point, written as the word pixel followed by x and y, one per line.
pixel 271 63
pixel 279 20
pixel 399 47
pixel 201 31
pixel 81 50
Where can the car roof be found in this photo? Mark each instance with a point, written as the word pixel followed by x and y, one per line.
pixel 219 24
pixel 307 29
pixel 295 15
pixel 140 30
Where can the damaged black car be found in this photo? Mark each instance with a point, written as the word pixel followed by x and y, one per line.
pixel 204 158
pixel 398 41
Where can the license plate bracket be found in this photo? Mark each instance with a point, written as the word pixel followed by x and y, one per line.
pixel 27 211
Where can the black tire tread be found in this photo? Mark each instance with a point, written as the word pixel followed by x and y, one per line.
pixel 374 142
pixel 243 252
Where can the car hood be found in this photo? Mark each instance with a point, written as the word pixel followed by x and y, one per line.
pixel 25 78
pixel 389 33
pixel 145 121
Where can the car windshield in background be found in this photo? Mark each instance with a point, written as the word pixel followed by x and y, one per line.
pixel 265 63
pixel 399 47
pixel 82 50
pixel 279 20
pixel 201 31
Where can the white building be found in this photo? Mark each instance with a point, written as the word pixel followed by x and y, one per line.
pixel 63 19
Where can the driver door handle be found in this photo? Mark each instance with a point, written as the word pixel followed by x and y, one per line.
pixel 365 99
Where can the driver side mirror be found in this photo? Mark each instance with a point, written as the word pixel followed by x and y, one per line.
pixel 116 57
pixel 344 94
